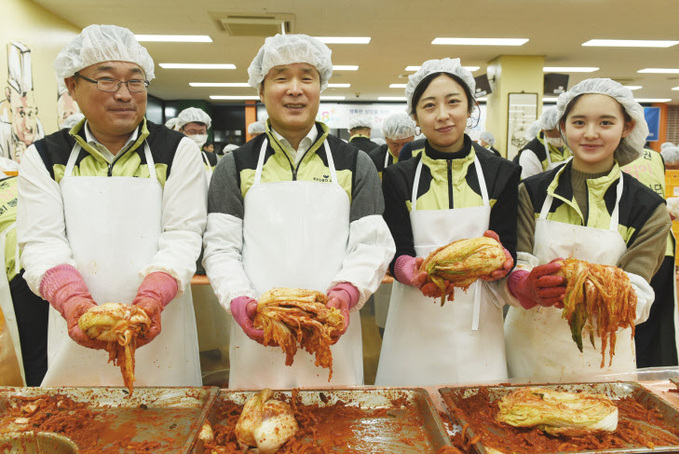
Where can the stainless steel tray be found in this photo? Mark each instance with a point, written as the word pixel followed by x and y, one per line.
pixel 411 424
pixel 614 390
pixel 169 417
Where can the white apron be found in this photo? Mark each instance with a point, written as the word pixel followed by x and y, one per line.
pixel 113 225
pixel 295 235
pixel 11 363
pixel 539 342
pixel 426 344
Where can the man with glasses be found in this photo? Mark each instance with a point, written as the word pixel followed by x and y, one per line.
pixel 109 212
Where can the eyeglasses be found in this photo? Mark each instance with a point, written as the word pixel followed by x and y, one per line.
pixel 113 85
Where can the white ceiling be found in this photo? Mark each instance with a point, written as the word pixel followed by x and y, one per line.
pixel 401 33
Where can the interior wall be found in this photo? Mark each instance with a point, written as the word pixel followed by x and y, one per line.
pixel 45 34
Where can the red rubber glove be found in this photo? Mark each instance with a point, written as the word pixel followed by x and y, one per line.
pixel 244 309
pixel 539 287
pixel 64 288
pixel 509 261
pixel 344 296
pixel 155 292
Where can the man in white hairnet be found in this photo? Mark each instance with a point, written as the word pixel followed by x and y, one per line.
pixel 547 150
pixel 194 123
pixel 256 128
pixel 487 140
pixel 360 128
pixel 113 211
pixel 295 207
pixel 398 129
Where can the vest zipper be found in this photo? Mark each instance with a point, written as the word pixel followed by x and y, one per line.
pixel 110 169
pixel 449 163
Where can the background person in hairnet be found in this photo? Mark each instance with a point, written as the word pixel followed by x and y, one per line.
pixel 590 210
pixel 295 207
pixel 360 128
pixel 547 150
pixel 487 140
pixel 449 191
pixel 113 211
pixel 256 128
pixel 194 123
pixel 398 129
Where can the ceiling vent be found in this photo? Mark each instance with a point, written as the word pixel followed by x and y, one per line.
pixel 254 24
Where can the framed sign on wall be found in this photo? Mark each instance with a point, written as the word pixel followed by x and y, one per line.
pixel 522 111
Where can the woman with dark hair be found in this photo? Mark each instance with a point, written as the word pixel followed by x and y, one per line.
pixel 450 191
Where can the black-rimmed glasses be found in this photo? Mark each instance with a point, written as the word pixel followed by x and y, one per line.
pixel 113 85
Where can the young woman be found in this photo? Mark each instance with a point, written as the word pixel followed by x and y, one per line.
pixel 590 210
pixel 449 192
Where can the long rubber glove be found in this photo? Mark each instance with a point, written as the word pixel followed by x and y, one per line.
pixel 539 287
pixel 244 309
pixel 407 271
pixel 344 296
pixel 509 261
pixel 155 292
pixel 64 288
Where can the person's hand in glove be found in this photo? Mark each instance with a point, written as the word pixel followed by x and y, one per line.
pixel 407 271
pixel 344 296
pixel 509 262
pixel 244 309
pixel 64 288
pixel 539 287
pixel 155 292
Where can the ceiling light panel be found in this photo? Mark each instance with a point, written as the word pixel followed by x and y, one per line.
pixel 219 84
pixel 629 43
pixel 174 38
pixel 197 65
pixel 345 67
pixel 468 68
pixel 481 41
pixel 569 69
pixel 344 39
pixel 659 71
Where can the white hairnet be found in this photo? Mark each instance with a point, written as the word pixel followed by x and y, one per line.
pixel 670 155
pixel 98 43
pixel 287 49
pixel 666 145
pixel 257 127
pixel 192 115
pixel 549 118
pixel 446 65
pixel 632 146
pixel 171 123
pixel 71 121
pixel 379 141
pixel 360 121
pixel 398 126
pixel 487 137
pixel 533 130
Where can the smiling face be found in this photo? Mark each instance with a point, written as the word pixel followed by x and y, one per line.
pixel 291 94
pixel 109 114
pixel 442 112
pixel 593 128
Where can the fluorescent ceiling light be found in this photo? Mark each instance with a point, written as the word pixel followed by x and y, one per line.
pixel 391 98
pixel 549 99
pixel 676 89
pixel 345 67
pixel 481 41
pixel 339 85
pixel 235 98
pixel 333 98
pixel 344 39
pixel 569 69
pixel 659 71
pixel 397 85
pixel 175 38
pixel 197 65
pixel 633 87
pixel 484 99
pixel 219 84
pixel 649 100
pixel 629 43
pixel 469 68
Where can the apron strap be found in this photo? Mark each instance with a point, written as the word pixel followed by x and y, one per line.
pixel 75 151
pixel 262 152
pixel 547 204
pixel 549 158
pixel 615 215
pixel 416 183
pixel 386 158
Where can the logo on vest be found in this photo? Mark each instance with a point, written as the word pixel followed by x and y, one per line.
pixel 325 179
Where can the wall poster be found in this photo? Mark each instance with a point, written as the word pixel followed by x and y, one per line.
pixel 522 111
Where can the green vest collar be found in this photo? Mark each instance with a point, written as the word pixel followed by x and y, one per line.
pixel 560 187
pixel 78 133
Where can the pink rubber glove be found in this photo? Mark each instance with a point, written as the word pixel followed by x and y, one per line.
pixel 155 292
pixel 539 287
pixel 344 296
pixel 64 288
pixel 509 261
pixel 244 309
pixel 407 271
